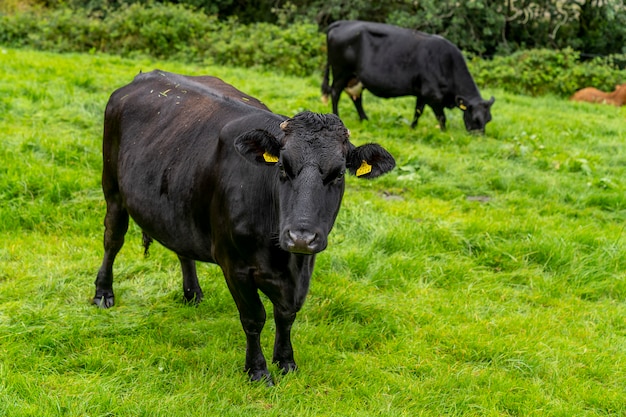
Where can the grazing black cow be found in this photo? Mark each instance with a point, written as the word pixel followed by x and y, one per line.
pixel 391 61
pixel 214 176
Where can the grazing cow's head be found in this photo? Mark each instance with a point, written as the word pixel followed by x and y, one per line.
pixel 476 114
pixel 311 156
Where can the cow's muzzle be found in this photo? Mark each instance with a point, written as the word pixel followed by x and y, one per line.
pixel 303 241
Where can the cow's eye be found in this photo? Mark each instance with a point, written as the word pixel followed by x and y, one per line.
pixel 334 177
pixel 286 170
pixel 283 173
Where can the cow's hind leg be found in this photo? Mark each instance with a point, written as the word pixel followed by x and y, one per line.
pixel 419 109
pixel 191 286
pixel 116 225
pixel 358 104
pixel 340 81
pixel 335 94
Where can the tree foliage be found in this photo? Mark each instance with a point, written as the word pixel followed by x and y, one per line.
pixel 488 27
pixel 176 31
pixel 484 27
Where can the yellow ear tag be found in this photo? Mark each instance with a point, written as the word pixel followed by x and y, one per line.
pixel 268 157
pixel 365 168
pixel 462 107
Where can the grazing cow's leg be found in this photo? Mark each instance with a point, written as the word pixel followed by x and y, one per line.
pixel 339 83
pixel 334 97
pixel 283 350
pixel 419 109
pixel 358 103
pixel 116 225
pixel 439 114
pixel 252 316
pixel 191 286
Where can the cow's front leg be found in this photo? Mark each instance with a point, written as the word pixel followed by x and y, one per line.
pixel 191 286
pixel 288 296
pixel 255 366
pixel 419 109
pixel 283 351
pixel 252 316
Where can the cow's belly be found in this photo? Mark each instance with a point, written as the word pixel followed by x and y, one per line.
pixel 168 219
pixel 388 92
pixel 387 87
pixel 178 235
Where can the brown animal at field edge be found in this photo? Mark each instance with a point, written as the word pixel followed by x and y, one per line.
pixel 593 95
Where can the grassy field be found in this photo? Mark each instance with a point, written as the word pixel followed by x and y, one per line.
pixel 485 276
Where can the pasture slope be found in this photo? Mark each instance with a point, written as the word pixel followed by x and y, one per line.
pixel 485 276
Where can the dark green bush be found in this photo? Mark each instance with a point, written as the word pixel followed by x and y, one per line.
pixel 484 27
pixel 59 30
pixel 542 71
pixel 295 50
pixel 159 30
pixel 169 31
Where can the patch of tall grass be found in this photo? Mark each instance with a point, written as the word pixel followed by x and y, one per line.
pixel 484 276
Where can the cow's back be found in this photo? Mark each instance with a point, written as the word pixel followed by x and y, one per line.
pixel 163 94
pixel 371 50
pixel 392 61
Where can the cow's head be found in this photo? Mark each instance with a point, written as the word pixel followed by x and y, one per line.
pixel 311 156
pixel 476 113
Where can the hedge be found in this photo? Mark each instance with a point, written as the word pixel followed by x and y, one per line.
pixel 168 31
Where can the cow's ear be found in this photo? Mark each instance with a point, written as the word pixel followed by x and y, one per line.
pixel 460 102
pixel 258 146
pixel 369 161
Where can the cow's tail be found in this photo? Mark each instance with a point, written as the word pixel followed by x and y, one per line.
pixel 147 241
pixel 325 84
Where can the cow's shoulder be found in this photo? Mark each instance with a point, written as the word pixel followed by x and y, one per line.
pixel 436 43
pixel 146 87
pixel 226 91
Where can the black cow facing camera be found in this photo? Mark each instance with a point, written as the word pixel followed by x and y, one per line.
pixel 391 61
pixel 213 175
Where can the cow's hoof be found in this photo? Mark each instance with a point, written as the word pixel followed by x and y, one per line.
pixel 261 376
pixel 193 298
pixel 288 367
pixel 104 299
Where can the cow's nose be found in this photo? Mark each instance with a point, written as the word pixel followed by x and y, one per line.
pixel 302 241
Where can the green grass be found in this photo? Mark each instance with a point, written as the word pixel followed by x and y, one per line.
pixel 485 276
